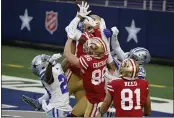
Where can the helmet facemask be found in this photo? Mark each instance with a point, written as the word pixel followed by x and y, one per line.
pixel 140 55
pixel 39 63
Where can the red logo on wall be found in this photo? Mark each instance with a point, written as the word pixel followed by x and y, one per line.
pixel 51 21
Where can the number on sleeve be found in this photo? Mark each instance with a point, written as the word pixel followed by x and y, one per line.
pixel 63 83
pixel 129 99
pixel 88 58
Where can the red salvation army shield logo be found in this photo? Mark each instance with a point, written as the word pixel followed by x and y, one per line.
pixel 51 21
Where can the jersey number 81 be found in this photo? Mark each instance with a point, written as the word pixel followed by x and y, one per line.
pixel 130 98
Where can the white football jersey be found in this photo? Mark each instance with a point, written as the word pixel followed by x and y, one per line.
pixel 142 72
pixel 58 90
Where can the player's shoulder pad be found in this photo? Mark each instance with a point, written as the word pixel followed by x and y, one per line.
pixel 117 80
pixel 85 60
pixel 88 57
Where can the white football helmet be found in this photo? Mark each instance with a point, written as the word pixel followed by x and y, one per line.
pixel 39 63
pixel 140 55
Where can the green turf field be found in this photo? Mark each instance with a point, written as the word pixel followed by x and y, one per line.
pixel 16 62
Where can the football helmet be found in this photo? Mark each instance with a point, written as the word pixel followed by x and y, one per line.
pixel 100 22
pixel 140 55
pixel 96 18
pixel 39 63
pixel 129 69
pixel 95 47
pixel 88 24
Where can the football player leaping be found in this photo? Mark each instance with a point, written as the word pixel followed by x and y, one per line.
pixel 91 27
pixel 93 68
pixel 139 54
pixel 55 83
pixel 75 84
pixel 129 93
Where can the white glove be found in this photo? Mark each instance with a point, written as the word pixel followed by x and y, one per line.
pixel 114 39
pixel 46 107
pixel 115 31
pixel 84 9
pixel 54 58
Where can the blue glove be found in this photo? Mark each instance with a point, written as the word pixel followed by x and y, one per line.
pixel 108 33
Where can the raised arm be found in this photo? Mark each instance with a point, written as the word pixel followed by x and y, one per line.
pixel 48 73
pixel 116 45
pixel 68 54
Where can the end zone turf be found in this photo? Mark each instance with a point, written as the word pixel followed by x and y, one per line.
pixel 14 87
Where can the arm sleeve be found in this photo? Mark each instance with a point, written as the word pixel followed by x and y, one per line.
pixel 74 22
pixel 116 47
pixel 110 59
pixel 78 35
pixel 83 62
pixel 110 88
pixel 44 97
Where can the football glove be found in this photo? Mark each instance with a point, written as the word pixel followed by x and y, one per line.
pixel 115 31
pixel 83 9
pixel 54 58
pixel 107 33
pixel 46 107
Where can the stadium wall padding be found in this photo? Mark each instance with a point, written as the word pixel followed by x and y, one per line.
pixel 154 30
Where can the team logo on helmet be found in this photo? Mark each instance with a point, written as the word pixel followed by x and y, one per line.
pixel 129 69
pixel 51 21
pixel 95 47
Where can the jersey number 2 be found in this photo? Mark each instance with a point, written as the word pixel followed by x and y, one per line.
pixel 129 99
pixel 63 83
